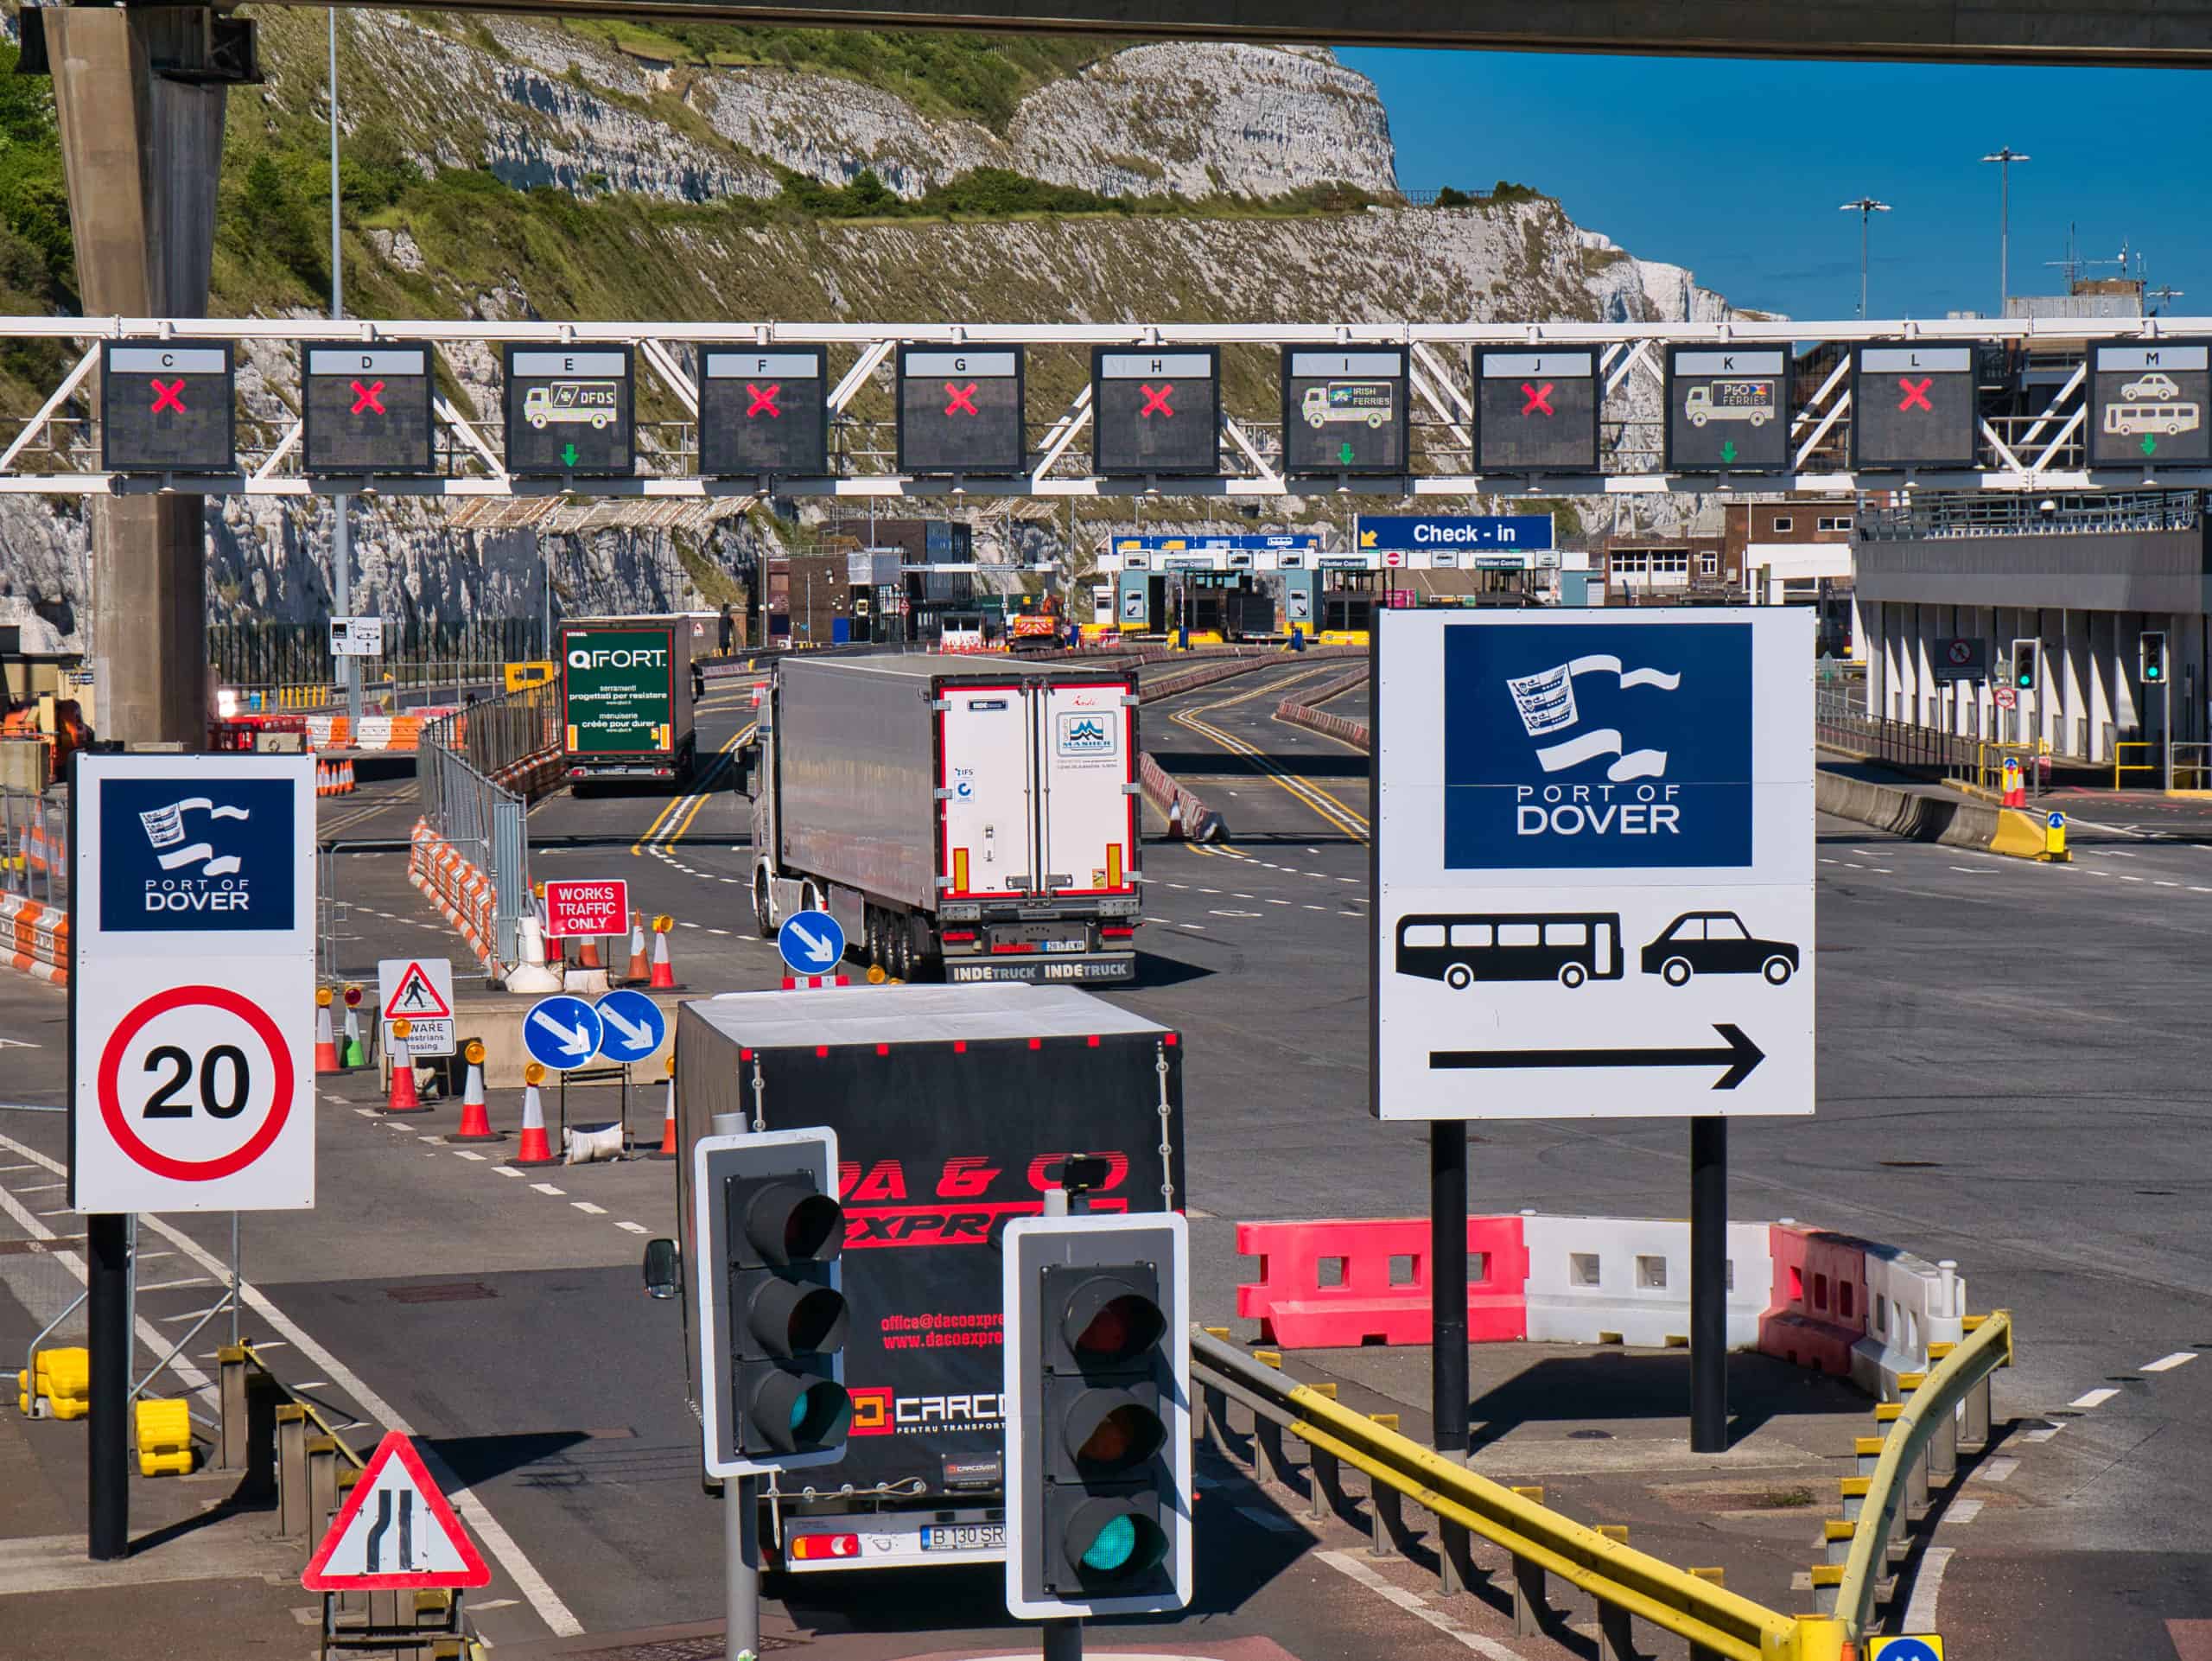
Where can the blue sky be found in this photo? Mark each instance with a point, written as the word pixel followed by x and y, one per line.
pixel 1735 169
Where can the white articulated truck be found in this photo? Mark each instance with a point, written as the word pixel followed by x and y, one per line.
pixel 976 818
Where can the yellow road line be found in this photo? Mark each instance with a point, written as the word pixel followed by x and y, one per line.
pixel 698 796
pixel 695 798
pixel 1331 810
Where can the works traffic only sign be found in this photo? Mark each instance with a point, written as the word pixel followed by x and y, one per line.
pixel 367 409
pixel 1594 864
pixel 418 991
pixel 167 407
pixel 960 411
pixel 192 982
pixel 1156 412
pixel 1536 411
pixel 811 942
pixel 764 412
pixel 395 1532
pixel 574 908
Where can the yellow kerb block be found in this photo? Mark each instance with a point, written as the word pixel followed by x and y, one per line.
pixel 164 1438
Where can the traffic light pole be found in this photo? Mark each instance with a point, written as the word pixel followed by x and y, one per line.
pixel 1062 1635
pixel 1708 1285
pixel 741 1567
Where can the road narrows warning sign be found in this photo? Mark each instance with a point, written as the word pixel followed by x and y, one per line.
pixel 395 1532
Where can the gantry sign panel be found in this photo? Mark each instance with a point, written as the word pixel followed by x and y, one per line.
pixel 1727 409
pixel 1156 412
pixel 1536 411
pixel 1344 411
pixel 367 409
pixel 1913 406
pixel 960 411
pixel 569 410
pixel 764 412
pixel 2149 404
pixel 166 408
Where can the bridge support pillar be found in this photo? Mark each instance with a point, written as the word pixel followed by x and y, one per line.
pixel 140 92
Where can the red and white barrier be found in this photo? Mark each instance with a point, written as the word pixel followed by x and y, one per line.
pixel 1626 1279
pixel 1365 1299
pixel 34 939
pixel 461 893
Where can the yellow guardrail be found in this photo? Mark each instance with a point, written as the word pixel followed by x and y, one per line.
pixel 2119 765
pixel 315 1414
pixel 1928 1407
pixel 1711 1617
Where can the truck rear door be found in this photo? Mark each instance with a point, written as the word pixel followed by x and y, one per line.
pixel 1087 755
pixel 987 788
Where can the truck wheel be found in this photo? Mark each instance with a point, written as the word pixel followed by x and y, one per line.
pixel 764 921
pixel 902 948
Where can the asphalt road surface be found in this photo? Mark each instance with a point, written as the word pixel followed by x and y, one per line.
pixel 2009 1078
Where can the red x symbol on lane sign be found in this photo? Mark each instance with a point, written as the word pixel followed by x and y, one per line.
pixel 170 397
pixel 1155 403
pixel 368 397
pixel 963 399
pixel 1915 393
pixel 1539 398
pixel 763 403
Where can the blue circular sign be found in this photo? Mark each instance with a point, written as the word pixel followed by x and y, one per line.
pixel 811 942
pixel 1907 1648
pixel 2055 820
pixel 563 1032
pixel 634 1024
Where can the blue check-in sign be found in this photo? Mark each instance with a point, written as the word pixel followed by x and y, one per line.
pixel 1597 745
pixel 197 853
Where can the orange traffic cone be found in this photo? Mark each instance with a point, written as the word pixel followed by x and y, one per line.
pixel 345 777
pixel 588 953
pixel 639 967
pixel 321 779
pixel 667 1148
pixel 476 1121
pixel 664 975
pixel 402 1097
pixel 326 1042
pixel 533 1149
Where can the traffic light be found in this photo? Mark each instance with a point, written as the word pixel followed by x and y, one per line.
pixel 2023 664
pixel 2153 658
pixel 771 1312
pixel 1097 1411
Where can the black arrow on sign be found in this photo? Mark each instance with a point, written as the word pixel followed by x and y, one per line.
pixel 1740 1056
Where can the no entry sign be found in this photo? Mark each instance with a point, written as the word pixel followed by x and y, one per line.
pixel 580 907
pixel 192 983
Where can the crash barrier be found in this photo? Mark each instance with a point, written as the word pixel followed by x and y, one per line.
pixel 1352 1280
pixel 34 939
pixel 1957 822
pixel 457 887
pixel 1943 1412
pixel 380 733
pixel 58 1384
pixel 1271 659
pixel 1189 820
pixel 1303 710
pixel 1629 1585
pixel 1825 1301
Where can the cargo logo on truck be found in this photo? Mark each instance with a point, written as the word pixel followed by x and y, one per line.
pixel 880 1412
pixel 1086 735
pixel 618 658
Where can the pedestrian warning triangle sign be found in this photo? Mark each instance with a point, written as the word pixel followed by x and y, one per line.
pixel 395 1532
pixel 414 998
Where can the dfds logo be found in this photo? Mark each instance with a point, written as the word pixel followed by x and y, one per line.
pixel 172 859
pixel 1597 745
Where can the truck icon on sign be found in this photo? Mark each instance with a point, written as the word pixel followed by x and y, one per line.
pixel 1729 400
pixel 1369 401
pixel 569 401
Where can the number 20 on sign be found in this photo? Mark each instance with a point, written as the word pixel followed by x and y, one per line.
pixel 192 983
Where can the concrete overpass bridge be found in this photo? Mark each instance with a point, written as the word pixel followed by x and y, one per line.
pixel 140 91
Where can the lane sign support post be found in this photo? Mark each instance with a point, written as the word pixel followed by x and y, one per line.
pixel 1447 1257
pixel 1708 1285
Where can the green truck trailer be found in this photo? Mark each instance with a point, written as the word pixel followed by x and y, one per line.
pixel 626 700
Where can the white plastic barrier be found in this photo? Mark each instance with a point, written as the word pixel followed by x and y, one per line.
pixel 1626 1279
pixel 588 1145
pixel 1910 1303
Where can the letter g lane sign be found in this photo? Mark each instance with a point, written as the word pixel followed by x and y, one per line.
pixel 192 982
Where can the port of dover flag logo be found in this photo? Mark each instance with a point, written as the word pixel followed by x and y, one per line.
pixel 1596 746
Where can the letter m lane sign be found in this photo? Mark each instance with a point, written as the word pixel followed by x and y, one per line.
pixel 1593 864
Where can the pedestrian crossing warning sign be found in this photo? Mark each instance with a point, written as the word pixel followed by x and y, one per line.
pixel 395 1532
pixel 416 996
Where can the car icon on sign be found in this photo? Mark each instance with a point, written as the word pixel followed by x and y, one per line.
pixel 2152 385
pixel 1716 943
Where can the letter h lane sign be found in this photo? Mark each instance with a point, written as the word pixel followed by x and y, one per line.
pixel 1156 411
pixel 1594 858
pixel 192 982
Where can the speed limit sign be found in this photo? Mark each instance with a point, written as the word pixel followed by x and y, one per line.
pixel 193 993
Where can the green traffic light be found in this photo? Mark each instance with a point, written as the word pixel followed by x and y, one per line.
pixel 1115 1544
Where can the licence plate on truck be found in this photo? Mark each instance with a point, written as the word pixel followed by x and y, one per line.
pixel 1077 944
pixel 964 1536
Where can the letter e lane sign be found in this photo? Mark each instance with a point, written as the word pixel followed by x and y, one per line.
pixel 192 982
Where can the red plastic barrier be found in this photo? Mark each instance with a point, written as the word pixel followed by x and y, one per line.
pixel 1818 1307
pixel 1296 1311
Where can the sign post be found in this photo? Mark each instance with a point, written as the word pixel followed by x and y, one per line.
pixel 1593 882
pixel 191 1024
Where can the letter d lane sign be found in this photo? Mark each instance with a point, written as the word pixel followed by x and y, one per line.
pixel 192 982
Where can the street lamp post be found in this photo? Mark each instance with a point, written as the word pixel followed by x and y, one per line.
pixel 341 551
pixel 1865 207
pixel 2004 158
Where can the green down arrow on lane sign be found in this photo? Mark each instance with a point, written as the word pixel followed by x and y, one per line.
pixel 2149 445
pixel 1343 452
pixel 569 453
pixel 1728 450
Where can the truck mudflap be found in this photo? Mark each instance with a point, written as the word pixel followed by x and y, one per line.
pixel 1040 969
pixel 813 1545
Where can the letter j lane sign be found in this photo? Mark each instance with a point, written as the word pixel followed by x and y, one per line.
pixel 192 982
pixel 1594 864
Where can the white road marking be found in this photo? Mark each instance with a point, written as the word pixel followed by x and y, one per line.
pixel 1962 1510
pixel 2044 1434
pixel 366 1112
pixel 462 1153
pixel 2093 1397
pixel 1997 1470
pixel 587 1208
pixel 1927 1587
pixel 42 1188
pixel 546 1188
pixel 2168 1363
pixel 1274 1522
pixel 634 1228
pixel 1350 1567
pixel 506 1170
pixel 171 1286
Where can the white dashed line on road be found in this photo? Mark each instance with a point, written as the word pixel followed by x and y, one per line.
pixel 2094 1398
pixel 1412 1602
pixel 462 1153
pixel 1962 1510
pixel 506 1170
pixel 546 1188
pixel 1997 1470
pixel 634 1228
pixel 2168 1363
pixel 587 1208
